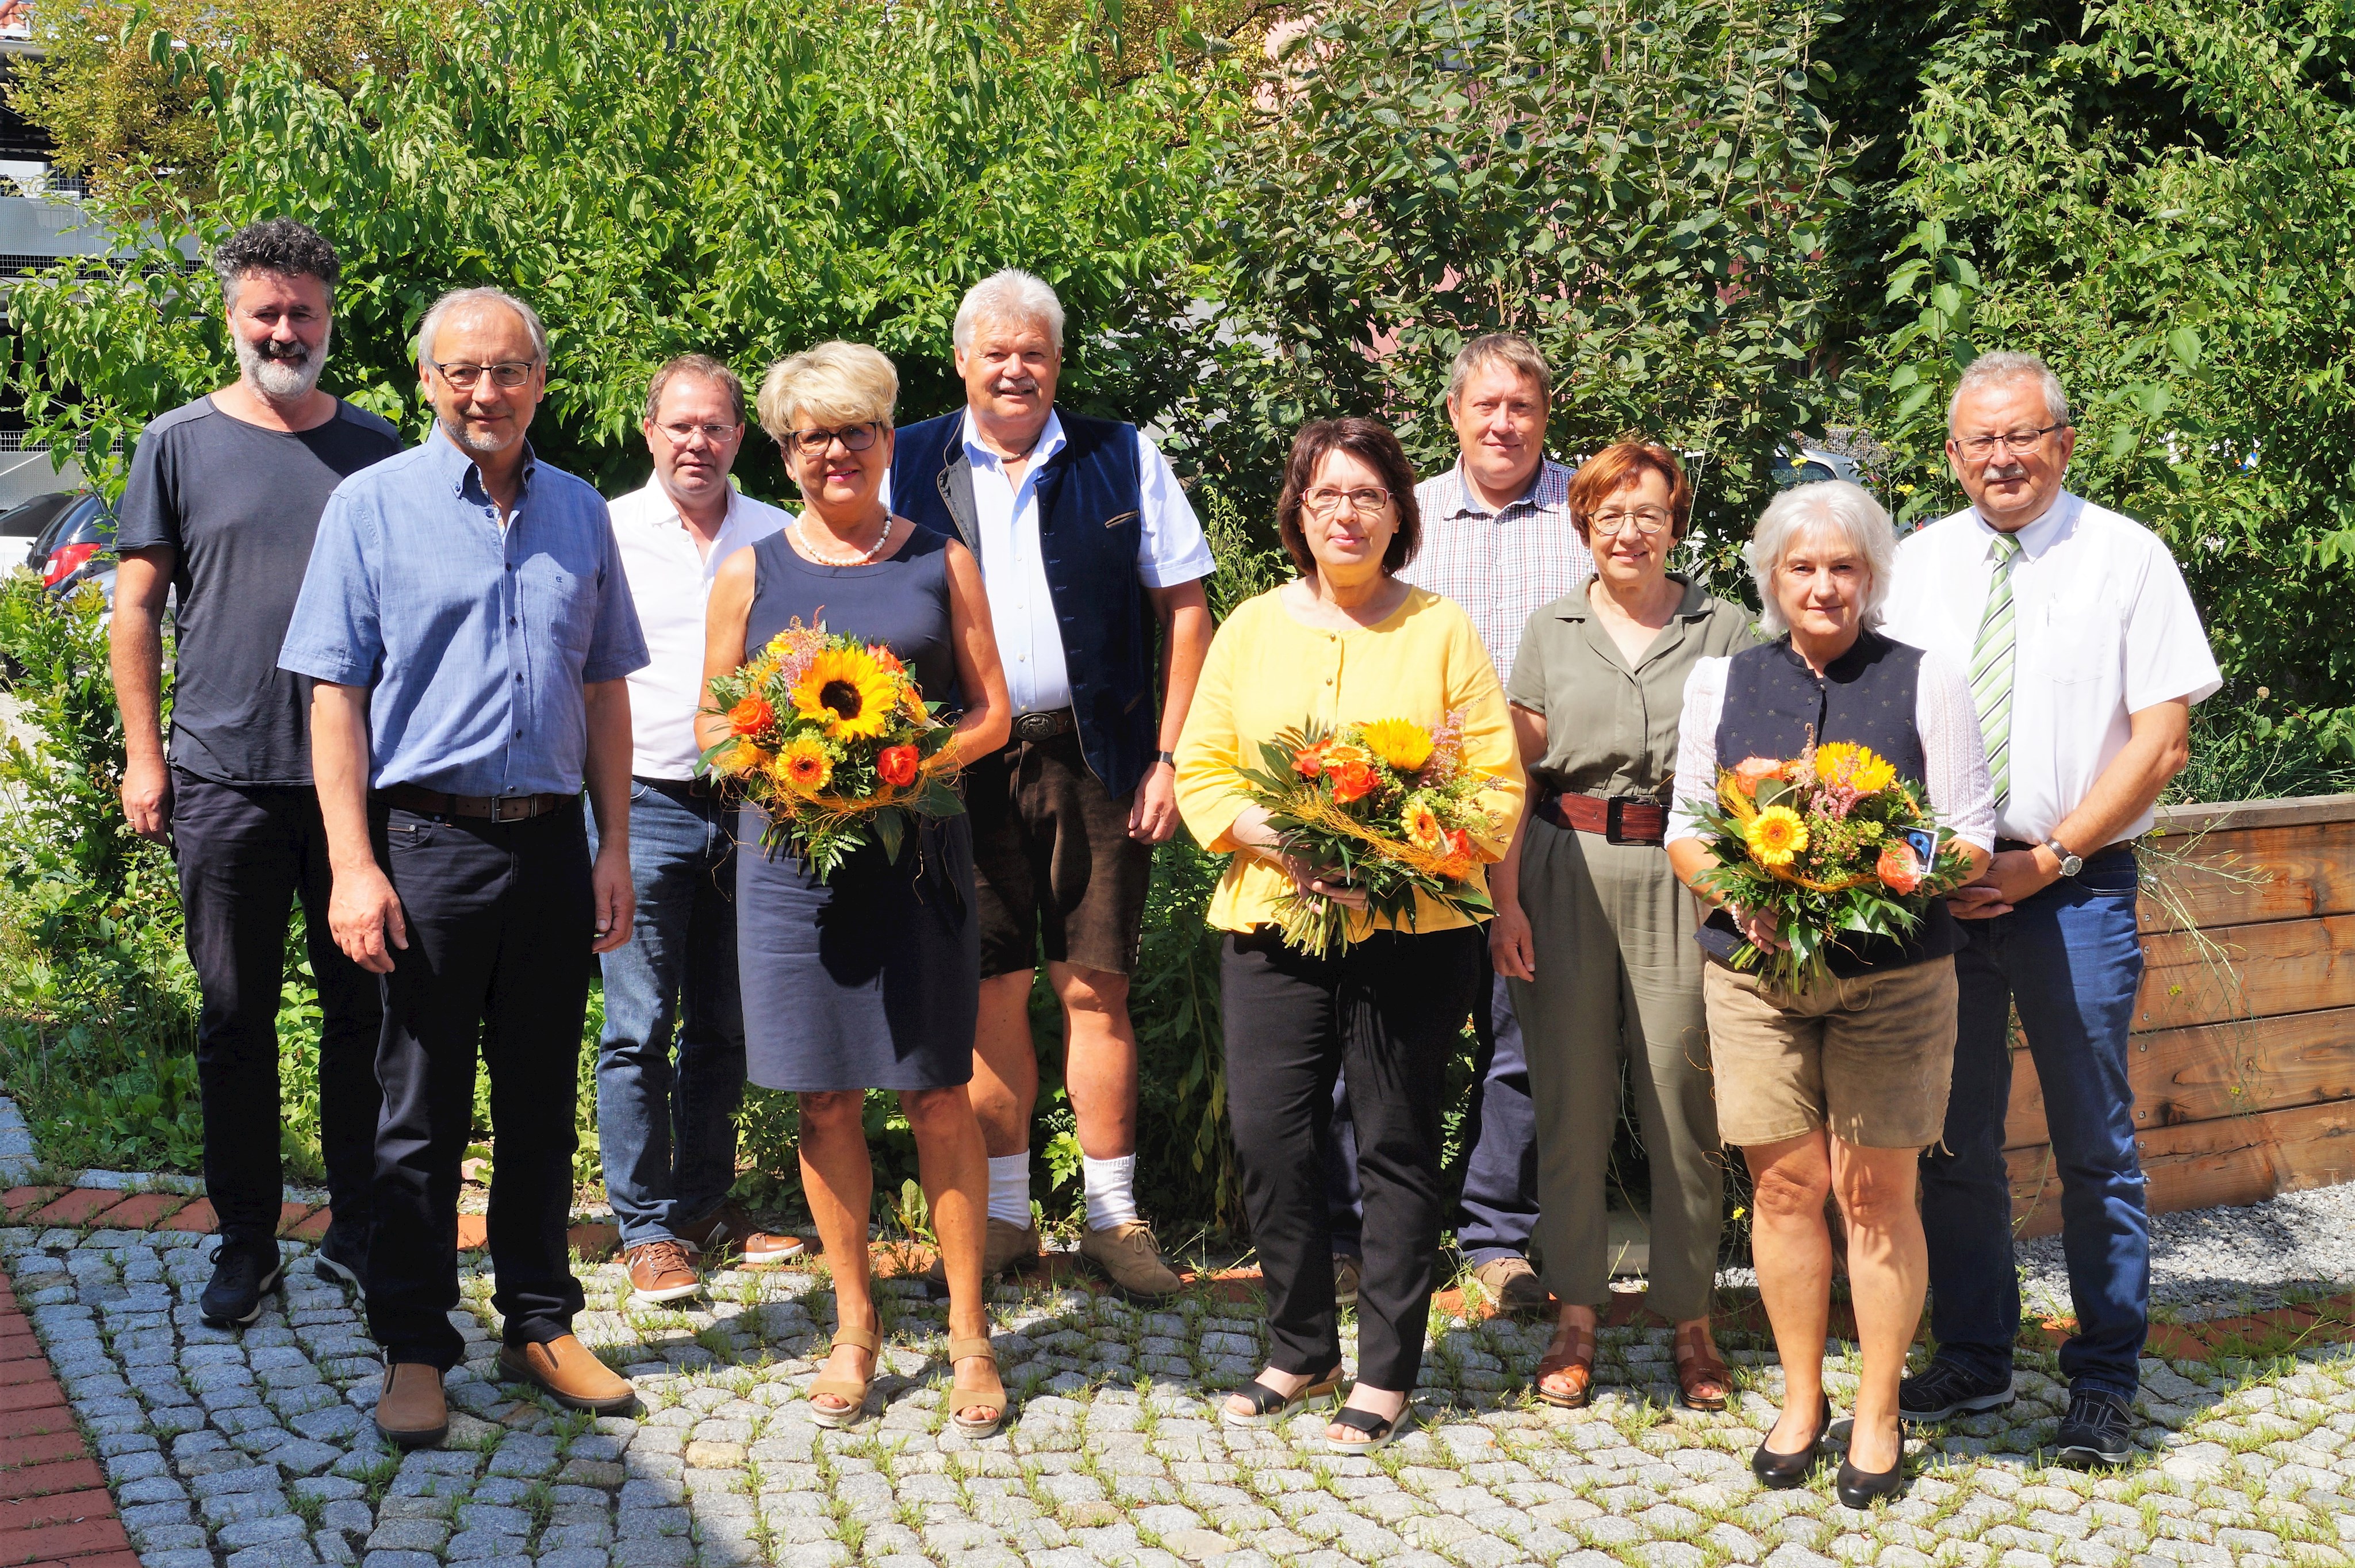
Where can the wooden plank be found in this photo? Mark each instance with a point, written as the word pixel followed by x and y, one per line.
pixel 2259 970
pixel 2228 1160
pixel 2183 1075
pixel 2304 811
pixel 2245 876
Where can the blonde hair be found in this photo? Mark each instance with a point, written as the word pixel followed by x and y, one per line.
pixel 834 383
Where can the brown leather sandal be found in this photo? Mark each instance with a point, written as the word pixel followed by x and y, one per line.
pixel 1699 1369
pixel 1574 1363
pixel 991 1397
pixel 852 1391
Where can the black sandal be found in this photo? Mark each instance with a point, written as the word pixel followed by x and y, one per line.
pixel 1379 1430
pixel 1269 1407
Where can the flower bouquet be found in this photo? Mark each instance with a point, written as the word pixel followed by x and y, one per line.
pixel 831 737
pixel 1387 806
pixel 1831 842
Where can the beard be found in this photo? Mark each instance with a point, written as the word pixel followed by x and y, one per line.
pixel 288 373
pixel 466 441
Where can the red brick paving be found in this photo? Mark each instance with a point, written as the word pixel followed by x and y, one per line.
pixel 141 1210
pixel 311 1228
pixel 290 1215
pixel 198 1216
pixel 25 1479
pixel 54 1506
pixel 78 1207
pixel 17 1199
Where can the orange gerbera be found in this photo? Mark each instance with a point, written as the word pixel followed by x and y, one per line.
pixel 1424 828
pixel 745 758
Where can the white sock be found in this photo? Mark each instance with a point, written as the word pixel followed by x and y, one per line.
pixel 1111 1190
pixel 1010 1189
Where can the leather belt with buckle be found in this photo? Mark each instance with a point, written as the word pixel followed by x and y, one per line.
pixel 1619 818
pixel 494 807
pixel 705 788
pixel 1044 726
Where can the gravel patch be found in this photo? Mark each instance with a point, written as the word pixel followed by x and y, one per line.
pixel 2216 1262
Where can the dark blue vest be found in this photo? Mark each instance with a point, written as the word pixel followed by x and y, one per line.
pixel 1089 534
pixel 1775 705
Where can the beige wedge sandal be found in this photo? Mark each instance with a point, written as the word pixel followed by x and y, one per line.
pixel 852 1391
pixel 992 1398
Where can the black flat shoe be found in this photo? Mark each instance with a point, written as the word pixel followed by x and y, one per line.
pixel 1785 1472
pixel 1862 1488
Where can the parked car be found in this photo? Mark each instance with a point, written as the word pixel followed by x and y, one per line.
pixel 1809 466
pixel 74 545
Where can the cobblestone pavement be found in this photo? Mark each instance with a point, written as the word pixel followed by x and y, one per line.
pixel 257 1449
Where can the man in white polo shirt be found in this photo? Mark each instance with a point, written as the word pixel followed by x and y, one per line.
pixel 670 1067
pixel 2085 656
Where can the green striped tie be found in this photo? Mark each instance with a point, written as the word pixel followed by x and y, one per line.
pixel 1991 660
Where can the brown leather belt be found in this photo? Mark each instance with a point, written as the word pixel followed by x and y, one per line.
pixel 496 807
pixel 1044 726
pixel 1618 819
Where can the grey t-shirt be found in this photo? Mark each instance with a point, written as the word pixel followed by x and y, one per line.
pixel 239 504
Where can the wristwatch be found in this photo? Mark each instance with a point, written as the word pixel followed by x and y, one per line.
pixel 2069 864
pixel 1169 757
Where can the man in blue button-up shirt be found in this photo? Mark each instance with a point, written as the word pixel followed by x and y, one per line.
pixel 468 623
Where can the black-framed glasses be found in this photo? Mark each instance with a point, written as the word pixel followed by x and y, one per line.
pixel 1367 502
pixel 854 438
pixel 680 434
pixel 1977 447
pixel 507 373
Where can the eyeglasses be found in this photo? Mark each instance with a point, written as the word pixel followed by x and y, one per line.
pixel 854 438
pixel 507 373
pixel 1367 502
pixel 1648 521
pixel 1977 447
pixel 680 434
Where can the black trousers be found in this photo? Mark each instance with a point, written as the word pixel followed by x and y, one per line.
pixel 500 919
pixel 245 854
pixel 1390 1009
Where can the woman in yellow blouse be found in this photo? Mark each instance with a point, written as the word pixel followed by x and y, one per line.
pixel 1345 643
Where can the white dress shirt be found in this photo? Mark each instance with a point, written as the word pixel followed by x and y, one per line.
pixel 2103 627
pixel 1014 573
pixel 1953 756
pixel 670 580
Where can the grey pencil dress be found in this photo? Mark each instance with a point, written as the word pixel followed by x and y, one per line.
pixel 873 980
pixel 1617 970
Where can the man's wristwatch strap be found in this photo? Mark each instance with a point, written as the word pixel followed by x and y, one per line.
pixel 2069 864
pixel 1169 757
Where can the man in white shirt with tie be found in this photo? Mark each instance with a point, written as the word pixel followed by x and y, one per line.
pixel 670 1066
pixel 2085 656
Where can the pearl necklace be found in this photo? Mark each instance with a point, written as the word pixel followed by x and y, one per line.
pixel 867 558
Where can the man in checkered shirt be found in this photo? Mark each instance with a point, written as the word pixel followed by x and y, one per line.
pixel 1498 539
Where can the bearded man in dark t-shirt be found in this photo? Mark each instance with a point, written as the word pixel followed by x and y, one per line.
pixel 224 499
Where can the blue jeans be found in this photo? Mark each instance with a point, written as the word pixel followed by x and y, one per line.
pixel 1499 1210
pixel 2070 958
pixel 667 1128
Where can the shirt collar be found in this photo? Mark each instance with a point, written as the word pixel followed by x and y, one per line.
pixel 1467 500
pixel 1049 441
pixel 2042 535
pixel 452 465
pixel 659 507
pixel 1695 602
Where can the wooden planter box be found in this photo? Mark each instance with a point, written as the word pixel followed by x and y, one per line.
pixel 2243 1062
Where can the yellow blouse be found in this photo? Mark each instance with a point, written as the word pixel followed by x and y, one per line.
pixel 1267 673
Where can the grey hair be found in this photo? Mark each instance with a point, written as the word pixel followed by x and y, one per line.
pixel 457 298
pixel 1010 296
pixel 1849 511
pixel 2002 366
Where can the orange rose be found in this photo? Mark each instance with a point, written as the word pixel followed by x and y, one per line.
pixel 1899 867
pixel 751 716
pixel 897 766
pixel 1309 760
pixel 1750 771
pixel 1353 780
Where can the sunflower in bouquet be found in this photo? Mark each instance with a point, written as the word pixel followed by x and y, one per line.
pixel 832 737
pixel 1835 844
pixel 1387 806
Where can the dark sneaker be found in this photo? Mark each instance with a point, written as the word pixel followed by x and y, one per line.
pixel 244 1272
pixel 343 1258
pixel 2098 1429
pixel 1944 1390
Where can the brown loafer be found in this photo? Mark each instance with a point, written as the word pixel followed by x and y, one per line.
pixel 570 1373
pixel 412 1411
pixel 1004 1247
pixel 1130 1258
pixel 1513 1286
pixel 660 1271
pixel 729 1232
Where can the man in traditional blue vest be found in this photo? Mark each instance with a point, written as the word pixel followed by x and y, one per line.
pixel 1093 564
